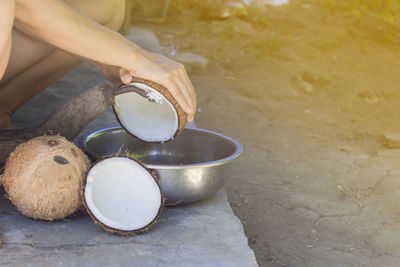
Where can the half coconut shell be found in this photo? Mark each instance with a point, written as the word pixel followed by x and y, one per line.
pixel 122 196
pixel 148 111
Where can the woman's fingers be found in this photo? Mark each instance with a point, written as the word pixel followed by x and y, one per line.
pixel 189 84
pixel 169 73
pixel 185 89
pixel 175 91
pixel 188 99
pixel 125 76
pixel 190 89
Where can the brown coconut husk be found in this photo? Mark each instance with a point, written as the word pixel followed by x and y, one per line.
pixel 182 116
pixel 44 176
pixel 111 230
pixel 68 121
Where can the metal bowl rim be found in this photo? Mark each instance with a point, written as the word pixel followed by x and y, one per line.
pixel 81 142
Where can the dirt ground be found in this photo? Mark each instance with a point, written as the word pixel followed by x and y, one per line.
pixel 309 89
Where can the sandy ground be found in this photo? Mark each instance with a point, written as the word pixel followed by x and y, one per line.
pixel 309 90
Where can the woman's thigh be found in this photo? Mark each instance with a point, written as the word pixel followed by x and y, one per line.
pixel 25 52
pixel 102 11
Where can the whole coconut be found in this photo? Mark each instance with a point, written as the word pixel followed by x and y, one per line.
pixel 44 176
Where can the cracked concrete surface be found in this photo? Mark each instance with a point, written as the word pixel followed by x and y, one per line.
pixel 202 234
pixel 316 184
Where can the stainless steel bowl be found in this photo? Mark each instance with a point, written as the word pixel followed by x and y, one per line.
pixel 191 167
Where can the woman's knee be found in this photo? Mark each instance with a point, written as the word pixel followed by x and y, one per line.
pixel 7 14
pixel 118 15
pixel 109 13
pixel 7 11
pixel 7 7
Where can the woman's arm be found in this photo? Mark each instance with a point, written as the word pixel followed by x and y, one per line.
pixel 58 24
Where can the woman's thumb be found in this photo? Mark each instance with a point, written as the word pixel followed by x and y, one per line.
pixel 125 76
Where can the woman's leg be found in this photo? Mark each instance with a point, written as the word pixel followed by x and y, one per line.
pixel 34 65
pixel 7 12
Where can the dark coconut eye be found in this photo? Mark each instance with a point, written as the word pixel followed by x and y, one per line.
pixel 60 160
pixel 52 142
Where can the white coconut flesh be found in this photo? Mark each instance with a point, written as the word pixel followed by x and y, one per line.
pixel 122 194
pixel 150 121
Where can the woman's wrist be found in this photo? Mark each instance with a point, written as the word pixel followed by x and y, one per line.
pixel 132 55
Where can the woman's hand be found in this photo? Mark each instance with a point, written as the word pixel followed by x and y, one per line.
pixel 111 73
pixel 160 69
pixel 171 74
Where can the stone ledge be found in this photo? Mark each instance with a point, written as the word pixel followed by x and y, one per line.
pixel 202 234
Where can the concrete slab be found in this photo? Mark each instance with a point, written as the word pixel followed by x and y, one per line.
pixel 203 234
